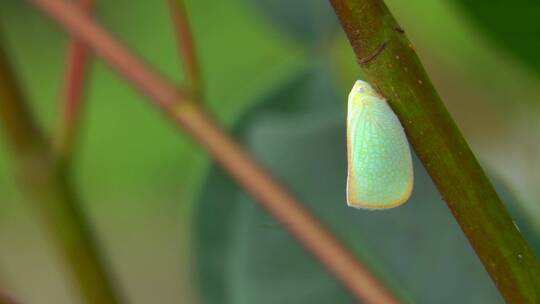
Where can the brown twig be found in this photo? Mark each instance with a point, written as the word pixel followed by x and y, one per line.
pixel 240 165
pixel 72 92
pixel 186 47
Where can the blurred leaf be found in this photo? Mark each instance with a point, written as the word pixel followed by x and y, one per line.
pixel 512 25
pixel 244 256
pixel 308 21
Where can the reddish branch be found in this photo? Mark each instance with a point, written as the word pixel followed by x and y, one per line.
pixel 73 89
pixel 186 47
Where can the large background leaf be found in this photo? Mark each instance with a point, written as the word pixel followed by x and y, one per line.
pixel 245 256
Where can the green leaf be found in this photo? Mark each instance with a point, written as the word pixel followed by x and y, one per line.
pixel 245 256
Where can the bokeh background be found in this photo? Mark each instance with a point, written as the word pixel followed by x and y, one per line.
pixel 276 73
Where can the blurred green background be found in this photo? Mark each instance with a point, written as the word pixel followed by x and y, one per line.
pixel 276 73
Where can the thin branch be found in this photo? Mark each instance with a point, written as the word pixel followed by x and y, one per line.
pixel 194 84
pixel 162 92
pixel 72 92
pixel 186 47
pixel 400 76
pixel 48 188
pixel 240 165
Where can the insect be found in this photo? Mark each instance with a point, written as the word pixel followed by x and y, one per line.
pixel 380 172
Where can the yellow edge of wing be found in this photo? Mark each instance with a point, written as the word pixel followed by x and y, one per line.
pixel 351 202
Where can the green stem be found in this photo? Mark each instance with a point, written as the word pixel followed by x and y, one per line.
pixel 48 188
pixel 398 74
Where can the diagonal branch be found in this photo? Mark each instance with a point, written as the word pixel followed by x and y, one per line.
pixel 186 47
pixel 72 92
pixel 240 165
pixel 397 72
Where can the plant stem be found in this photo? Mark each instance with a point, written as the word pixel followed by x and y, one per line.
pixel 398 74
pixel 239 164
pixel 48 188
pixel 186 47
pixel 192 83
pixel 72 92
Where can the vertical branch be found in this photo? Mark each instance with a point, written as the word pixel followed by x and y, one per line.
pixel 49 190
pixel 390 63
pixel 193 84
pixel 72 92
pixel 186 47
pixel 355 276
